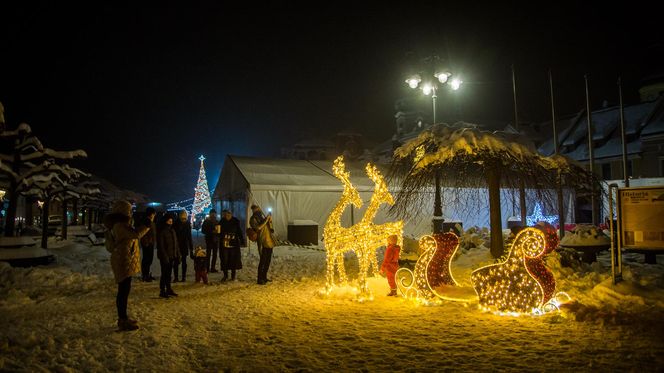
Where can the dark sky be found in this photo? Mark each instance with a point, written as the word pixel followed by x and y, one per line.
pixel 147 88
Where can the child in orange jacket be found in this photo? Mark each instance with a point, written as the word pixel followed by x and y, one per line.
pixel 391 263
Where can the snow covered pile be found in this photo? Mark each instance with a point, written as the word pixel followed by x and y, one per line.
pixel 596 299
pixel 585 235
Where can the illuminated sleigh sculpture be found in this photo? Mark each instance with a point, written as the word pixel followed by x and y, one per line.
pixel 432 277
pixel 522 283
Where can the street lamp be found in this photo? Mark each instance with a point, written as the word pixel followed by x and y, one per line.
pixel 430 87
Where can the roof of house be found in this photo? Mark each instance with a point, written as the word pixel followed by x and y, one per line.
pixel 641 119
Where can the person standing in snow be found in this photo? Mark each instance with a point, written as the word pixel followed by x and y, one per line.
pixel 200 265
pixel 263 226
pixel 391 264
pixel 185 243
pixel 125 256
pixel 231 240
pixel 148 244
pixel 211 231
pixel 168 253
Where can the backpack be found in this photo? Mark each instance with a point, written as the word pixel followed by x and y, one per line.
pixel 109 240
pixel 252 235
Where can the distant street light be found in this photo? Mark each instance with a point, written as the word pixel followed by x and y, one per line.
pixel 430 87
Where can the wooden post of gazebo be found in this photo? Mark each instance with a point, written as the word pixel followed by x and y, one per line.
pixel 495 219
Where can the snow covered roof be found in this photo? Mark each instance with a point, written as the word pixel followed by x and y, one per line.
pixel 641 119
pixel 656 123
pixel 241 173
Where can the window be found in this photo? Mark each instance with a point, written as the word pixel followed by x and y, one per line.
pixel 606 171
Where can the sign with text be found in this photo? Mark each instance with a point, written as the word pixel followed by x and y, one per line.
pixel 642 217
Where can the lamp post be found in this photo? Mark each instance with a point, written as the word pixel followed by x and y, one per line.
pixel 430 87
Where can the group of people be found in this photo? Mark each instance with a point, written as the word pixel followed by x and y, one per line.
pixel 171 237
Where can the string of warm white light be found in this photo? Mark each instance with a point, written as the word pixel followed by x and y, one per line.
pixel 337 238
pixel 365 237
pixel 522 283
pixel 432 270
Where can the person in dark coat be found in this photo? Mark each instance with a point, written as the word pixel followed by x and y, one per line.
pixel 185 243
pixel 210 229
pixel 231 240
pixel 168 253
pixel 148 243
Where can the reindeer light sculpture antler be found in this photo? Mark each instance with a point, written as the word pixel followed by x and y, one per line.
pixel 338 239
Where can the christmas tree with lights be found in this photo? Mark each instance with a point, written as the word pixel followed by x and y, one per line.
pixel 202 195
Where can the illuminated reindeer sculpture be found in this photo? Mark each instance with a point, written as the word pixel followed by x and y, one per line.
pixel 365 236
pixel 339 239
pixel 372 236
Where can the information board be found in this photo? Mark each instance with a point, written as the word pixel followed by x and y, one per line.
pixel 642 217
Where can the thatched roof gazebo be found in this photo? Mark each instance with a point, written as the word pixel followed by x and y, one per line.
pixel 466 157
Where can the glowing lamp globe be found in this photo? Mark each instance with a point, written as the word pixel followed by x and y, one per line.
pixel 442 77
pixel 456 84
pixel 413 81
pixel 427 88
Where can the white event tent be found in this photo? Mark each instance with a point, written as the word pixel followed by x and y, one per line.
pixel 297 191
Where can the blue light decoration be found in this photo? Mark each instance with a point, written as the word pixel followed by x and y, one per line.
pixel 537 216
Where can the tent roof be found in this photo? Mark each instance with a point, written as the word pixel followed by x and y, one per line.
pixel 288 174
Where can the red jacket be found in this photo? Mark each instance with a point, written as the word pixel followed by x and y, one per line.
pixel 391 260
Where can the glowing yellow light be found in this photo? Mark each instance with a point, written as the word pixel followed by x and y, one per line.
pixel 433 270
pixel 419 153
pixel 365 237
pixel 522 283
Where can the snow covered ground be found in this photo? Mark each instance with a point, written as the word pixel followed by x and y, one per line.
pixel 62 318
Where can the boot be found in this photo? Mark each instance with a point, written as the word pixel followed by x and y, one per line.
pixel 124 325
pixel 171 293
pixel 392 293
pixel 225 278
pixel 163 294
pixel 233 275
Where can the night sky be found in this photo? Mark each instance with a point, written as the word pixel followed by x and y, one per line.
pixel 146 89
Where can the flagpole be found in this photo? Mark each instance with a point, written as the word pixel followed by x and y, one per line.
pixel 622 134
pixel 522 187
pixel 591 157
pixel 556 148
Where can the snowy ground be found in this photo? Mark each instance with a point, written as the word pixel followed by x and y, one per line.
pixel 62 318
